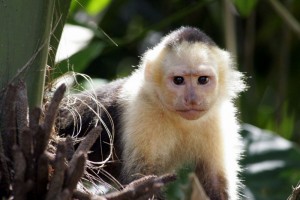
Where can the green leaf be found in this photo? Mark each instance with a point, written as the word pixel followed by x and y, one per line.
pixel 271 164
pixel 245 7
pixel 181 188
pixel 95 6
pixel 79 61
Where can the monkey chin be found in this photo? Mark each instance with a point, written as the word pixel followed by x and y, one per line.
pixel 191 114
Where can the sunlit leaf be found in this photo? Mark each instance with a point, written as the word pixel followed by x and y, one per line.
pixel 74 38
pixel 79 61
pixel 271 164
pixel 76 4
pixel 96 6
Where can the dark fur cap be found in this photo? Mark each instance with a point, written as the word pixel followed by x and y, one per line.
pixel 188 34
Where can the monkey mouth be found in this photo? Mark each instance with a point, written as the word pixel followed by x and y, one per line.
pixel 190 114
pixel 190 110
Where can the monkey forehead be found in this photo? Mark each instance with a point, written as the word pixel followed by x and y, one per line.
pixel 191 56
pixel 202 70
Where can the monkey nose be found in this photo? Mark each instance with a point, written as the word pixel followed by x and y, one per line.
pixel 191 100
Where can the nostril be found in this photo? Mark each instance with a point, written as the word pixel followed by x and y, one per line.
pixel 190 101
pixel 187 101
pixel 193 102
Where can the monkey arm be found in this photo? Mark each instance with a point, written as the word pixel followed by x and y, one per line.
pixel 213 182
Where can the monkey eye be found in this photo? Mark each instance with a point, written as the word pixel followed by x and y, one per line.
pixel 202 80
pixel 178 80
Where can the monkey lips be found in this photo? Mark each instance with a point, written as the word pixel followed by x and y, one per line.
pixel 191 114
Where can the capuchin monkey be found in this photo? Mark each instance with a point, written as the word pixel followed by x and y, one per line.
pixel 176 108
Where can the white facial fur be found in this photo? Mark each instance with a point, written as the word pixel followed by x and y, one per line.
pixel 191 98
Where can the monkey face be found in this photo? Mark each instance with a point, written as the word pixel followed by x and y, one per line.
pixel 189 80
pixel 189 94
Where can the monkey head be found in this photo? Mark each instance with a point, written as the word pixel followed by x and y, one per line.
pixel 189 73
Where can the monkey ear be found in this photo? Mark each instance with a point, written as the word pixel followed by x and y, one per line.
pixel 147 71
pixel 151 62
pixel 146 64
pixel 152 72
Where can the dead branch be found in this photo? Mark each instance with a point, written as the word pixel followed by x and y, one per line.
pixel 9 132
pixel 25 142
pixel 89 140
pixel 34 119
pixel 57 181
pixel 296 193
pixel 27 167
pixel 75 170
pixel 65 195
pixel 42 175
pixel 19 168
pixel 143 188
pixel 33 172
pixel 53 107
pixel 21 106
pixel 4 173
pixel 85 196
pixel 69 147
pixel 51 114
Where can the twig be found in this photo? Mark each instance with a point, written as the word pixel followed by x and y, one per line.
pixel 142 188
pixel 57 181
pixel 34 119
pixel 65 195
pixel 8 136
pixel 44 130
pixel 53 107
pixel 19 191
pixel 89 140
pixel 4 179
pixel 21 106
pixel 9 121
pixel 51 113
pixel 40 140
pixel 75 170
pixel 26 145
pixel 69 147
pixel 42 176
pixel 84 196
pixel 26 142
pixel 286 16
pixel 296 193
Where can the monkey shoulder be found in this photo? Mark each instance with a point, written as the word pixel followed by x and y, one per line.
pixel 87 109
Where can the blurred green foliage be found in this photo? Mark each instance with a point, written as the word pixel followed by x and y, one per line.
pixel 267 46
pixel 245 7
pixel 271 164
